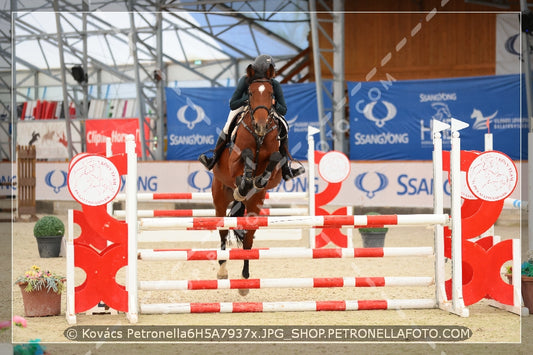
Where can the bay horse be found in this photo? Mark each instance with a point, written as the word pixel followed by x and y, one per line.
pixel 250 167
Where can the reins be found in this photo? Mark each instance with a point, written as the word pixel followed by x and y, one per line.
pixel 271 124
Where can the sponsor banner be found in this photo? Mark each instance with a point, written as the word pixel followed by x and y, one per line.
pixel 196 116
pixel 405 184
pixel 508 44
pixel 49 137
pixel 96 132
pixel 391 120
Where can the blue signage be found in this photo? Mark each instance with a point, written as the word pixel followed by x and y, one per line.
pixel 196 116
pixel 391 120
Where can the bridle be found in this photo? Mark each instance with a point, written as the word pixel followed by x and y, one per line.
pixel 271 122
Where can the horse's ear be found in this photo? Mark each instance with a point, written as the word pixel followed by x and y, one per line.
pixel 271 72
pixel 250 72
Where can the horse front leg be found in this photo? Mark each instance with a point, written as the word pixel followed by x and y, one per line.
pixel 261 181
pixel 245 182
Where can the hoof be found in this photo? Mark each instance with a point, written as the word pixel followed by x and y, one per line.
pixel 244 291
pixel 222 273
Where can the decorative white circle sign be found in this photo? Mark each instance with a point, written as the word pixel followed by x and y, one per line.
pixel 492 176
pixel 93 180
pixel 466 193
pixel 334 167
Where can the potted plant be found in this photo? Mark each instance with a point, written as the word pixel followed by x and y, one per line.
pixel 527 282
pixel 41 292
pixel 49 231
pixel 373 237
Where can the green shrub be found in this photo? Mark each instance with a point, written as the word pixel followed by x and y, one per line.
pixel 48 226
pixel 373 230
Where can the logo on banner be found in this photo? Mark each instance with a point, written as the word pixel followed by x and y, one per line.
pixel 481 122
pixel 198 180
pixel 512 46
pixel 368 112
pixel 371 183
pixel 442 111
pixel 200 114
pixel 56 180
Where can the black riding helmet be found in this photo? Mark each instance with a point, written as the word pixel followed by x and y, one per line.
pixel 262 62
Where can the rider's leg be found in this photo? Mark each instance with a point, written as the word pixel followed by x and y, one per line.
pixel 209 163
pixel 222 141
pixel 286 170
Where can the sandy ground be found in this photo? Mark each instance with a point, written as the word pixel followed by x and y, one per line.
pixel 493 330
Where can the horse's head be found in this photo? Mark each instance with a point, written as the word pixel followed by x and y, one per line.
pixel 261 96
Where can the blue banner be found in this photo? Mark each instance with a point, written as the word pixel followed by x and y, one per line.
pixel 391 120
pixel 196 116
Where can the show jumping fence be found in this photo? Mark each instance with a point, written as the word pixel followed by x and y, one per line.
pixel 126 242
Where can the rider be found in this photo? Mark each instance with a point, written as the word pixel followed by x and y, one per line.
pixel 239 101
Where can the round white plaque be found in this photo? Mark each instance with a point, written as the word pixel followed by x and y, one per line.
pixel 93 180
pixel 492 176
pixel 334 167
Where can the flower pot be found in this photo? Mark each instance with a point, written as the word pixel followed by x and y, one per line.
pixel 49 247
pixel 527 292
pixel 373 239
pixel 40 303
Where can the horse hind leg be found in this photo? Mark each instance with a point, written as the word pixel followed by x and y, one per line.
pixel 237 209
pixel 247 244
pixel 222 271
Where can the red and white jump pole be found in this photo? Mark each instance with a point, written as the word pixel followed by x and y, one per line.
pixel 240 307
pixel 316 282
pixel 260 222
pixel 209 212
pixel 279 253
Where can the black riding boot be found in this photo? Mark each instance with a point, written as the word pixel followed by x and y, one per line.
pixel 209 163
pixel 286 171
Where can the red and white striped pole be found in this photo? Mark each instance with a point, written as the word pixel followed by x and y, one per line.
pixel 258 222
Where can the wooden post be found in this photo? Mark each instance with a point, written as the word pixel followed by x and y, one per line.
pixel 26 205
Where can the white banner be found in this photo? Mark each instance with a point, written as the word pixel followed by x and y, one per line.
pixel 400 184
pixel 49 137
pixel 508 44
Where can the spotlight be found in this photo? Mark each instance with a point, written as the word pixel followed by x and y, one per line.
pixel 79 74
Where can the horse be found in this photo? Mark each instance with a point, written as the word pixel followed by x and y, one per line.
pixel 249 167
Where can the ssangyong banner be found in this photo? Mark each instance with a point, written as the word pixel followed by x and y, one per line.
pixel 196 116
pixel 391 120
pixel 370 184
pixel 97 131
